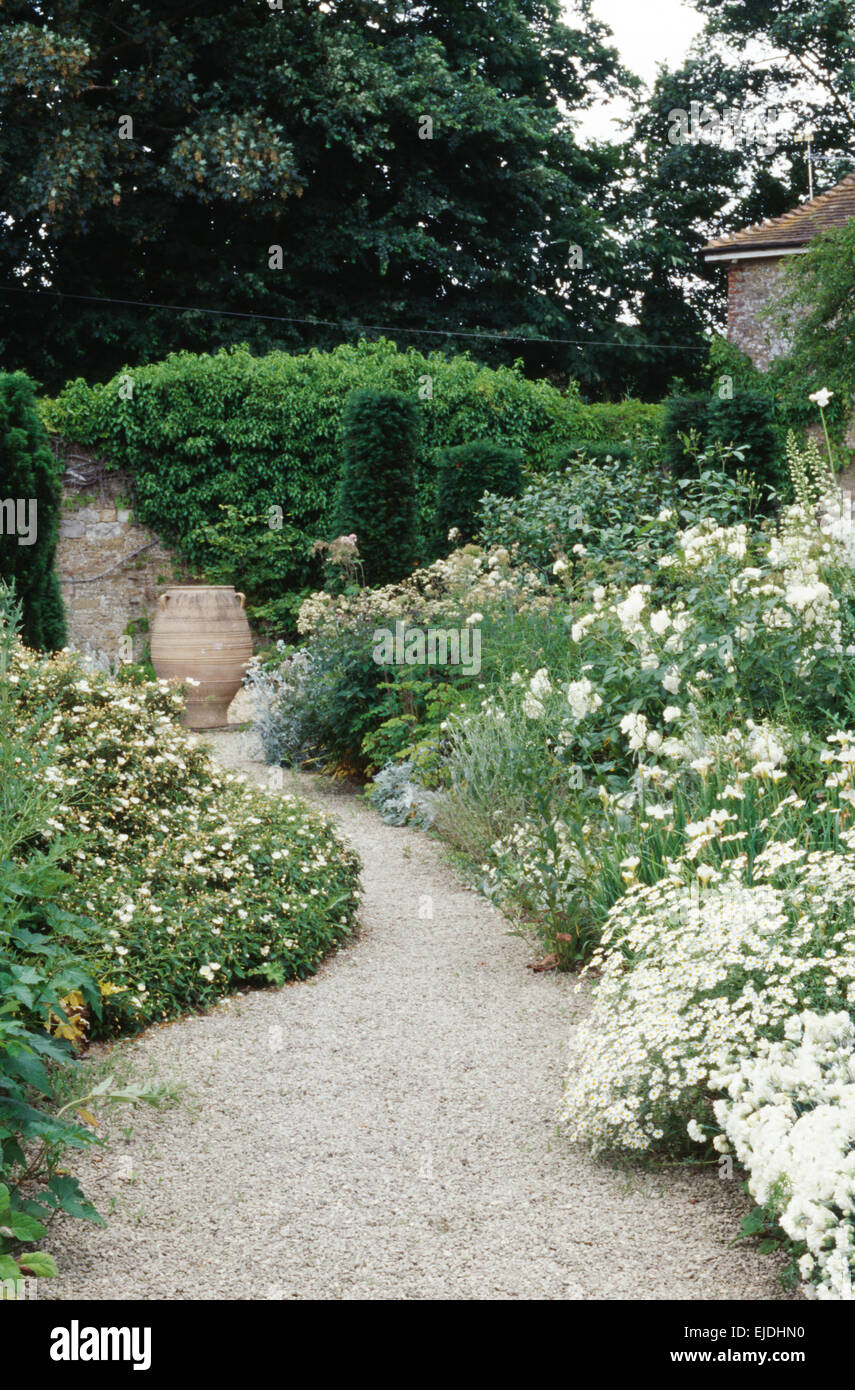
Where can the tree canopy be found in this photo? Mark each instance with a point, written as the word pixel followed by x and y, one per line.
pixel 415 163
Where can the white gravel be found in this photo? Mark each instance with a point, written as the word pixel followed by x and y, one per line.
pixel 387 1130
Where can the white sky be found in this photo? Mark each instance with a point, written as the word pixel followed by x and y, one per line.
pixel 646 33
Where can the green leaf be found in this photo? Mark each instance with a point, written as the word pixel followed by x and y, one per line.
pixel 68 1193
pixel 26 1227
pixel 41 1264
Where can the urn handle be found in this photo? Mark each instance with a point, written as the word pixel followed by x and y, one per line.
pixel 242 598
pixel 162 600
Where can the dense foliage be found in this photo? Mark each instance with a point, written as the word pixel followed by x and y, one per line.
pixel 376 501
pixel 199 433
pixel 743 427
pixel 464 474
pixel 613 514
pixel 30 496
pixel 275 159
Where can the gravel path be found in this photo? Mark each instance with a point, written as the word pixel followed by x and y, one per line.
pixel 387 1130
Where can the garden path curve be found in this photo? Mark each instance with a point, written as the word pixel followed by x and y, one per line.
pixel 387 1130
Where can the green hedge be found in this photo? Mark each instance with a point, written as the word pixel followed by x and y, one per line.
pixel 620 420
pixel 377 494
pixel 749 420
pixel 200 432
pixel 29 474
pixel 684 414
pixel 465 474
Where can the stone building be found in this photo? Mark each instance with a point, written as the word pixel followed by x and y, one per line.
pixel 756 258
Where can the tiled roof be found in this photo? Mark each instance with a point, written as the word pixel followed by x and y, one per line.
pixel 794 228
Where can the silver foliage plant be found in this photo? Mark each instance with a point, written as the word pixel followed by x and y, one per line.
pixel 399 797
pixel 276 693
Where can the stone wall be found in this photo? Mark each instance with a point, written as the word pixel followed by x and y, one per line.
pixel 111 568
pixel 751 286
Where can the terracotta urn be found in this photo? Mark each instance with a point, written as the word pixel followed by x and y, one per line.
pixel 202 633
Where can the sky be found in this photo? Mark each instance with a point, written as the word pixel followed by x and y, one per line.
pixel 646 33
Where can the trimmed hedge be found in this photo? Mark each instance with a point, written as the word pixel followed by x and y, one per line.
pixel 30 474
pixel 748 419
pixel 377 494
pixel 683 414
pixel 600 451
pixel 621 420
pixel 199 432
pixel 465 473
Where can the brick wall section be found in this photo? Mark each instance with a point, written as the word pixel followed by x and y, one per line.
pixel 100 536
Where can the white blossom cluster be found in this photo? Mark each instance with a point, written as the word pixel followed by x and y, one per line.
pixel 789 1113
pixel 690 978
pixel 469 580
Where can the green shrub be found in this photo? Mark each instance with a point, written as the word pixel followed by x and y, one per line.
pixel 569 456
pixel 30 484
pixel 608 507
pixel 263 550
pixel 726 360
pixel 748 421
pixel 377 494
pixel 465 473
pixel 683 415
pixel 745 420
pixel 616 421
pixel 200 432
pixel 191 884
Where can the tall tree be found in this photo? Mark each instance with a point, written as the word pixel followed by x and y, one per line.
pixel 415 162
pixel 761 72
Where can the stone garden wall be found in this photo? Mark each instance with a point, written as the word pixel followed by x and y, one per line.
pixel 111 568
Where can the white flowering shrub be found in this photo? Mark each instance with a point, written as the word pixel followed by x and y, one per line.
pixel 789 1115
pixel 189 883
pixel 690 978
pixel 469 580
pixel 331 703
pixel 723 667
